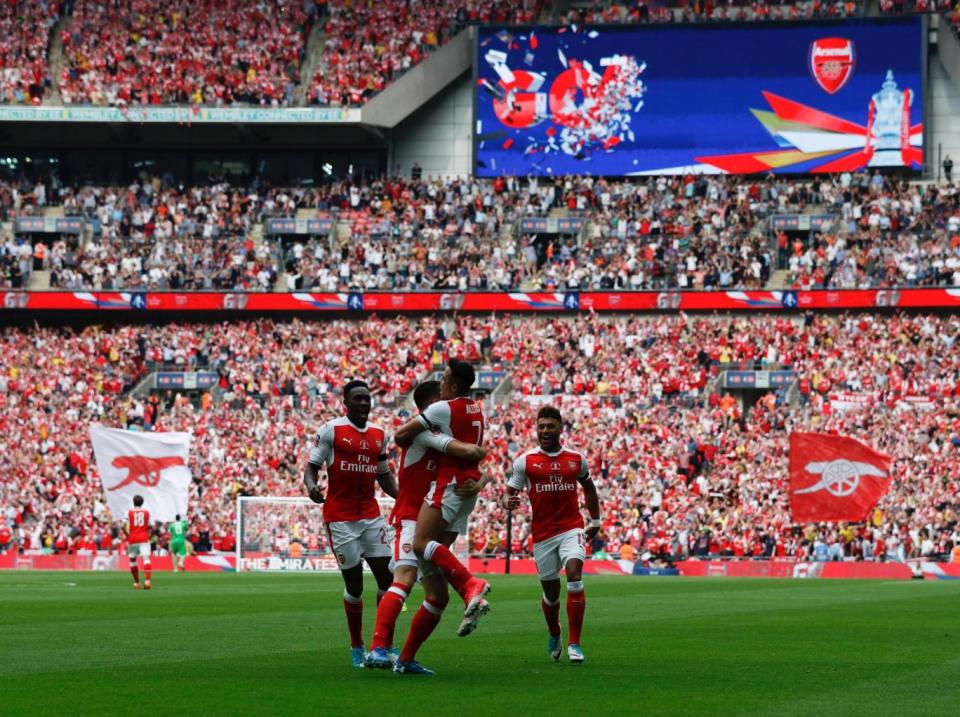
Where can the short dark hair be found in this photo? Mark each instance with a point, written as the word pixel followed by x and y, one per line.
pixel 424 393
pixel 178 516
pixel 550 412
pixel 355 383
pixel 463 373
pixel 138 500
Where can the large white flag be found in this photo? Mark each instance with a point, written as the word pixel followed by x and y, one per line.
pixel 154 465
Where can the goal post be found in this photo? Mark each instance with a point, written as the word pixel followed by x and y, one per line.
pixel 277 534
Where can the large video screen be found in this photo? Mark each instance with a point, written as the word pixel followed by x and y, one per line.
pixel 612 100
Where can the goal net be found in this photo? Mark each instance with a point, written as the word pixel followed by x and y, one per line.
pixel 287 534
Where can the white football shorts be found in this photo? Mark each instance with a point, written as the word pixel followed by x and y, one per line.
pixel 403 551
pixel 552 554
pixel 138 549
pixel 353 540
pixel 455 510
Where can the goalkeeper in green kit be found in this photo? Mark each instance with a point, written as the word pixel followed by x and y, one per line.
pixel 178 543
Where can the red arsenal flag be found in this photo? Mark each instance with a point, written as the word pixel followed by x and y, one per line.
pixel 834 478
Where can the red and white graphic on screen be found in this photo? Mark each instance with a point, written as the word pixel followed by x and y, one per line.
pixel 589 111
pixel 834 478
pixel 832 60
pixel 144 470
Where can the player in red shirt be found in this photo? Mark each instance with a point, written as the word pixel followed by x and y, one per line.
pixel 355 455
pixel 138 541
pixel 418 469
pixel 550 473
pixel 457 415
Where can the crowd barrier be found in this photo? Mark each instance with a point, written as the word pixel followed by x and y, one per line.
pixel 525 566
pixel 569 301
pixel 112 561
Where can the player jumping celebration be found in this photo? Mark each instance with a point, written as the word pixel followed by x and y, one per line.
pixel 418 469
pixel 354 453
pixel 550 473
pixel 457 415
pixel 138 541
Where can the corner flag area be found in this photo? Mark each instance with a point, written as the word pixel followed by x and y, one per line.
pixel 84 643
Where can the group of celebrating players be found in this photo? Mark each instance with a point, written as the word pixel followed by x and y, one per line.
pixel 439 479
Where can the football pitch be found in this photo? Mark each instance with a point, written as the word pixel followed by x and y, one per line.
pixel 231 644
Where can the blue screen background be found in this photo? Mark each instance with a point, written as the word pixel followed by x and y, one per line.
pixel 701 82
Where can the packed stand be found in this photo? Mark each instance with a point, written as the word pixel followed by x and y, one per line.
pixel 152 235
pixel 25 28
pixel 277 381
pixel 903 7
pixel 683 469
pixel 666 233
pixel 367 45
pixel 211 52
pixel 681 232
pixel 686 470
pixel 892 234
pixel 640 11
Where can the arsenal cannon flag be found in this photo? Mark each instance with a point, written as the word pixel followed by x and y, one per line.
pixel 154 465
pixel 834 478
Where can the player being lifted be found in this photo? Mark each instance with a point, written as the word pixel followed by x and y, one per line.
pixel 178 543
pixel 459 416
pixel 355 455
pixel 418 468
pixel 550 473
pixel 138 541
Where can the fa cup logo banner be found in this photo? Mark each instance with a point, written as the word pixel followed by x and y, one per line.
pixel 832 60
pixel 834 478
pixel 154 465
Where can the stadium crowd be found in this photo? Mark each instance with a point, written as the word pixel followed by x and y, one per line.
pixel 160 52
pixel 368 45
pixel 459 234
pixel 25 29
pixel 160 237
pixel 211 52
pixel 641 11
pixel 683 468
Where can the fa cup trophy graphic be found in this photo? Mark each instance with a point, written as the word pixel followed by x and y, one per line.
pixel 888 125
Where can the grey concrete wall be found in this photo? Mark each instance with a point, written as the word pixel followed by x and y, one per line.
pixel 943 107
pixel 438 135
pixel 405 96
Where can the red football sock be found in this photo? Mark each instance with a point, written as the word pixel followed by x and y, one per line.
pixel 423 624
pixel 576 607
pixel 457 575
pixel 387 613
pixel 552 614
pixel 146 571
pixel 135 572
pixel 354 609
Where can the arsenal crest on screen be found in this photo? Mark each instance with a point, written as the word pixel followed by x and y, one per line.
pixel 831 62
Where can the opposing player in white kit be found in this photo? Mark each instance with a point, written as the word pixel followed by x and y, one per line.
pixel 355 455
pixel 551 474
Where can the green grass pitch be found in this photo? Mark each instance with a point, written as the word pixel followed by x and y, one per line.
pixel 205 644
